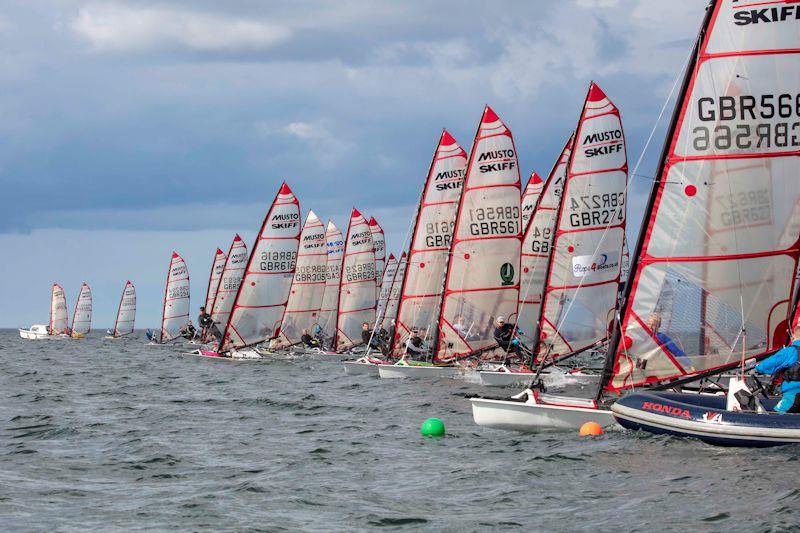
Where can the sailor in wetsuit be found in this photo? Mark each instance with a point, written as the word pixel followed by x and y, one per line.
pixel 207 327
pixel 786 363
pixel 308 340
pixel 368 338
pixel 505 335
pixel 415 347
pixel 188 331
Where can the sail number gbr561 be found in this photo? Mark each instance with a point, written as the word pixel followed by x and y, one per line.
pixel 494 220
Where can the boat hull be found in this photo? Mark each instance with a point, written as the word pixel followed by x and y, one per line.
pixel 499 378
pixel 706 418
pixel 530 417
pixel 355 368
pixel 421 371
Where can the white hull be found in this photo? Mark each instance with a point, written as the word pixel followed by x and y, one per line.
pixel 360 368
pixel 38 332
pixel 552 378
pixel 410 371
pixel 530 416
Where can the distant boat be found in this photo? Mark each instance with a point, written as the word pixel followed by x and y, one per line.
pixel 175 313
pixel 82 317
pixel 126 313
pixel 228 283
pixel 213 279
pixel 57 327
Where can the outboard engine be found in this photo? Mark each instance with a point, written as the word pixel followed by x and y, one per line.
pixel 742 397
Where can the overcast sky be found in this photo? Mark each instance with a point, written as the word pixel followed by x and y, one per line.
pixel 132 128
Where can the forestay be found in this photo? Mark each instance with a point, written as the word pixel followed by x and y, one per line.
pixel 213 279
pixel 423 284
pixel 483 274
pixel 717 247
pixel 58 310
pixel 580 296
pixel 533 190
pixel 261 300
pixel 175 313
pixel 334 248
pixel 126 312
pixel 536 244
pixel 230 279
pixel 357 284
pixel 308 286
pixel 386 287
pixel 394 294
pixel 379 242
pixel 82 317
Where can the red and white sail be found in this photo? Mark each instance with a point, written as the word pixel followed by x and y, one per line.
pixel 175 313
pixel 329 309
pixel 483 274
pixel 308 287
pixel 536 244
pixel 264 291
pixel 530 196
pixel 390 315
pixel 213 279
pixel 580 296
pixel 58 311
pixel 386 286
pixel 82 317
pixel 126 312
pixel 230 279
pixel 379 241
pixel 716 236
pixel 357 283
pixel 423 284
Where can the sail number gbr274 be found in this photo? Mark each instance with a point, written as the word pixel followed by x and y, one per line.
pixel 597 209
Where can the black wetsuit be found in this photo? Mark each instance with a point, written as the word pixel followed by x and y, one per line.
pixel 504 335
pixel 309 341
pixel 415 347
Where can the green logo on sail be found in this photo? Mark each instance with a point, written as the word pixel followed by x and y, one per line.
pixel 507 273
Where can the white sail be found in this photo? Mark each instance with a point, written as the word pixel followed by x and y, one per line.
pixel 175 314
pixel 423 284
pixel 379 241
pixel 58 311
pixel 390 314
pixel 483 275
pixel 229 281
pixel 530 196
pixel 213 279
pixel 261 301
pixel 329 309
pixel 126 312
pixel 308 287
pixel 357 284
pixel 386 286
pixel 82 317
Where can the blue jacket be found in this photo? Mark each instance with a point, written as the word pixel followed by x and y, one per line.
pixel 781 360
pixel 667 343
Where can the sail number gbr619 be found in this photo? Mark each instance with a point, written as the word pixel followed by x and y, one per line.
pixel 497 220
pixel 597 209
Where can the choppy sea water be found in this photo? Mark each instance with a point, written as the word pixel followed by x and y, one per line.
pixel 117 435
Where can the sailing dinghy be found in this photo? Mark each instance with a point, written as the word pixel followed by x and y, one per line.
pixel 57 327
pixel 175 311
pixel 530 197
pixel 82 317
pixel 126 313
pixel 334 247
pixel 379 244
pixel 228 284
pixel 213 278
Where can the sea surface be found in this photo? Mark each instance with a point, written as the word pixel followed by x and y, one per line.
pixel 117 435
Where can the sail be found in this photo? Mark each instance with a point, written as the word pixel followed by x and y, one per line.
pixel 421 294
pixel 334 248
pixel 483 274
pixel 305 297
pixel 230 279
pixel 214 277
pixel 533 190
pixel 126 312
pixel 357 283
pixel 82 317
pixel 386 287
pixel 175 313
pixel 263 293
pixel 393 302
pixel 379 241
pixel 716 243
pixel 626 263
pixel 536 243
pixel 58 310
pixel 580 297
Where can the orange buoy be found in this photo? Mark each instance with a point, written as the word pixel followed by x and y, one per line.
pixel 591 429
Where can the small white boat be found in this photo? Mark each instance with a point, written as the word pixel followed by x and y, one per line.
pixel 38 332
pixel 531 411
pixel 404 369
pixel 552 377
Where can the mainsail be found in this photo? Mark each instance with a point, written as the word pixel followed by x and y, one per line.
pixel 305 297
pixel 356 284
pixel 175 313
pixel 483 274
pixel 536 243
pixel 126 312
pixel 386 287
pixel 58 311
pixel 214 277
pixel 82 317
pixel 423 283
pixel 379 241
pixel 533 190
pixel 329 309
pixel 261 299
pixel 390 314
pixel 580 297
pixel 715 243
pixel 230 279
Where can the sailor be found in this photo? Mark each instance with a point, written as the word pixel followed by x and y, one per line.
pixel 206 322
pixel 308 340
pixel 665 342
pixel 368 338
pixel 188 331
pixel 460 325
pixel 151 335
pixel 390 332
pixel 786 363
pixel 415 346
pixel 505 335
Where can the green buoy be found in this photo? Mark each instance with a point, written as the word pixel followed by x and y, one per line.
pixel 432 427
